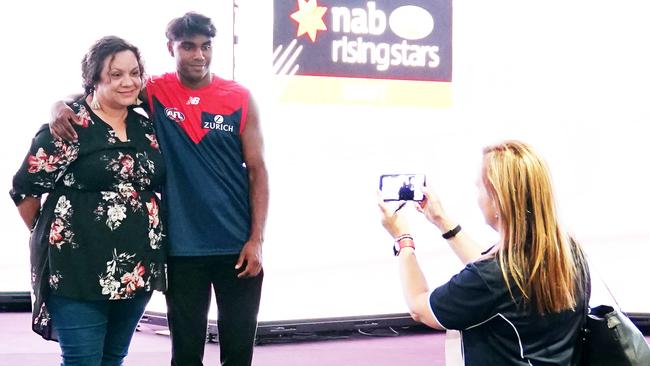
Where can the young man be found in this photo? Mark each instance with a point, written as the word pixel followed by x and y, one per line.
pixel 215 197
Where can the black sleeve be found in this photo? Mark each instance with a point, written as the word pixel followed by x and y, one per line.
pixel 46 161
pixel 466 300
pixel 145 107
pixel 144 101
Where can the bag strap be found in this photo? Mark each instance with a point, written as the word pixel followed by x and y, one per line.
pixel 587 270
pixel 610 293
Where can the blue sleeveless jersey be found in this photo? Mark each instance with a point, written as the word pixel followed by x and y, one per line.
pixel 206 196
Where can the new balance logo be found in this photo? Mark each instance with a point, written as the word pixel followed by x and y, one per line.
pixel 193 101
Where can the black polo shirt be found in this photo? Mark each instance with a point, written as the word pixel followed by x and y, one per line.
pixel 494 329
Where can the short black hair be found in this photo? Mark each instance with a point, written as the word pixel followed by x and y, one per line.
pixel 190 24
pixel 93 61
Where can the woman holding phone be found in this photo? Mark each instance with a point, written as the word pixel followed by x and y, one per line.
pixel 521 302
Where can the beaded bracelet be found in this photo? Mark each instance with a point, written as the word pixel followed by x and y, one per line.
pixel 404 236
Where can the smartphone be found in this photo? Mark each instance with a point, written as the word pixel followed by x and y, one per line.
pixel 402 187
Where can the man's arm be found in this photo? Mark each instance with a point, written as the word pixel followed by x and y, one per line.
pixel 28 209
pixel 253 150
pixel 63 117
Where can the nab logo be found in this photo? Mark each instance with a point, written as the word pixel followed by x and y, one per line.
pixel 309 18
pixel 175 115
pixel 193 101
pixel 383 39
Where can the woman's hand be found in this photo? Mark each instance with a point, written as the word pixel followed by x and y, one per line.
pixel 392 219
pixel 433 211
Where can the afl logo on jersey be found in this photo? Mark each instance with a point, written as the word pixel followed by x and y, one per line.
pixel 175 115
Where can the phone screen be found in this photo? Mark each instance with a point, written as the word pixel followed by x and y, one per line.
pixel 402 187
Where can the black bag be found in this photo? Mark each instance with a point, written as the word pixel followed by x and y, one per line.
pixel 608 337
pixel 611 339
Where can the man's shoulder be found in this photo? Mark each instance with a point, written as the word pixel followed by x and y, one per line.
pixel 161 79
pixel 226 85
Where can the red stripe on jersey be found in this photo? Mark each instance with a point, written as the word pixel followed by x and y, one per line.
pixel 184 105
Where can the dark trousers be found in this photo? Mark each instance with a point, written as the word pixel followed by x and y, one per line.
pixel 191 280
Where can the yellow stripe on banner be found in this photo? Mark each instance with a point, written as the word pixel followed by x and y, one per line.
pixel 334 90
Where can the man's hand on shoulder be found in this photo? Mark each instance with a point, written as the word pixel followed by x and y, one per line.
pixel 62 124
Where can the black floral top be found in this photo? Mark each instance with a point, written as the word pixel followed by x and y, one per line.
pixel 99 235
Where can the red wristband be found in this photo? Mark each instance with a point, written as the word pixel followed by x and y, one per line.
pixel 403 243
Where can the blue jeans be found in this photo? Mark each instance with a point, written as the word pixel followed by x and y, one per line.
pixel 95 333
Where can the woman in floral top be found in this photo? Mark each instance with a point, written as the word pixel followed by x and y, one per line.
pixel 98 244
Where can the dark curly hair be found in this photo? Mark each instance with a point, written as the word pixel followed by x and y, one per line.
pixel 93 61
pixel 190 24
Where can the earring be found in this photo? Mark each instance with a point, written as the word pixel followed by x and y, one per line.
pixel 94 104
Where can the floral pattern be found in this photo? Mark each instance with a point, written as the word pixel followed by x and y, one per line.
pixel 115 204
pixel 155 228
pixel 69 180
pixel 154 141
pixel 130 277
pixel 60 232
pixel 42 161
pixel 54 280
pixel 112 137
pixel 133 280
pixel 84 116
pixel 99 235
pixel 50 164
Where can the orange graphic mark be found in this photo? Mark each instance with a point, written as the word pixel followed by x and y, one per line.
pixel 309 18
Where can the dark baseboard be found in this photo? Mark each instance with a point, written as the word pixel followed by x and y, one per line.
pixel 641 320
pixel 341 327
pixel 314 329
pixel 18 301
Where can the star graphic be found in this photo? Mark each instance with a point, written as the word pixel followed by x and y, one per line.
pixel 310 18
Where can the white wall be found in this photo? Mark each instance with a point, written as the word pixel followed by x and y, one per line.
pixel 43 43
pixel 570 77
